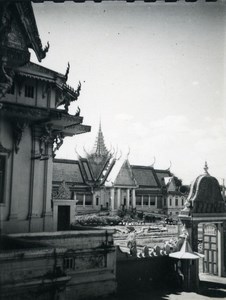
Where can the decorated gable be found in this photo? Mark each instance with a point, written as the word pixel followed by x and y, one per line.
pixel 125 176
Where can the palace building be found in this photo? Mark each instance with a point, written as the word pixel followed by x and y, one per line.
pixel 35 261
pixel 101 181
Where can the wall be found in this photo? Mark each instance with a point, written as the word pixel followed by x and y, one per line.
pixel 134 273
pixel 87 257
pixel 29 274
pixel 28 181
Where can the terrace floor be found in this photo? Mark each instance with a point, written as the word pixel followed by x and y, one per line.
pixel 211 288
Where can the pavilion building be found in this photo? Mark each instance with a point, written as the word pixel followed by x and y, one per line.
pixel 101 181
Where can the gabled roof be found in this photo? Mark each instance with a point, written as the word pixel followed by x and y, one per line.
pixel 125 176
pixel 64 91
pixel 145 176
pixel 161 174
pixel 67 170
pixel 32 70
pixel 26 15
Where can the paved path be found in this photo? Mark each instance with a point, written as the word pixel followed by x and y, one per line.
pixel 211 288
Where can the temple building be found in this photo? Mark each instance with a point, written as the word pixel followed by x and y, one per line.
pixel 35 261
pixel 32 127
pixel 103 181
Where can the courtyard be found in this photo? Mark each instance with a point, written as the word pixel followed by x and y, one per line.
pixel 211 287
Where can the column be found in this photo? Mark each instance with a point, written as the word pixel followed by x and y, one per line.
pixel 118 198
pixel 93 199
pixel 47 192
pixel 112 199
pixel 220 237
pixel 149 201
pixel 142 201
pixel 13 203
pixel 127 198
pixel 156 202
pixel 84 201
pixel 133 198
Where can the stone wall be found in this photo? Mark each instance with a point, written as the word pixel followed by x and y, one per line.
pixel 88 258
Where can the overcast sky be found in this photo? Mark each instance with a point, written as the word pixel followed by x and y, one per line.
pixel 152 72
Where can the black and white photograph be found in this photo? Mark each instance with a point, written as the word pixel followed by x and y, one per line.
pixel 112 150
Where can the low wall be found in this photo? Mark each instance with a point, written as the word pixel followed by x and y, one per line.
pixel 88 258
pixel 139 273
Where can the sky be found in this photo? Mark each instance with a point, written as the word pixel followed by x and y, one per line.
pixel 153 73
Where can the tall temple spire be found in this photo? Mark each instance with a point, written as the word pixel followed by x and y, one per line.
pixel 99 148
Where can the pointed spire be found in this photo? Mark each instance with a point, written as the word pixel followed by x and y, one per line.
pixel 99 147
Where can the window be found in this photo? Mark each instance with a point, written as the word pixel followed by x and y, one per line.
pixel 170 201
pixel 138 200
pixel 69 263
pixel 89 199
pixel 29 91
pixel 176 202
pixel 97 200
pixel 79 197
pixel 182 201
pixel 145 200
pixel 164 201
pixel 152 200
pixel 2 176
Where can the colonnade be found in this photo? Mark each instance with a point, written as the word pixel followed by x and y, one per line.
pixel 118 202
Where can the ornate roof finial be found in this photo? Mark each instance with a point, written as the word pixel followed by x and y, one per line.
pixel 67 71
pixel 206 168
pixel 46 49
pixel 127 156
pixel 169 166
pixel 152 165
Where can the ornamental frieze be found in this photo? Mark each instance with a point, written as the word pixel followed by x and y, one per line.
pixel 63 192
pixel 46 137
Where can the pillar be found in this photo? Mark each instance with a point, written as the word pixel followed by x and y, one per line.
pixel 112 199
pixel 133 198
pixel 84 201
pixel 93 199
pixel 220 238
pixel 149 201
pixel 127 198
pixel 142 201
pixel 47 192
pixel 118 198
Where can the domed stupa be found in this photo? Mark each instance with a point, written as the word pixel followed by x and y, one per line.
pixel 205 196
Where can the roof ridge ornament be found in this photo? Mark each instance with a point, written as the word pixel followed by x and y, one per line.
pixel 152 165
pixel 168 169
pixel 46 49
pixel 127 156
pixel 206 168
pixel 67 71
